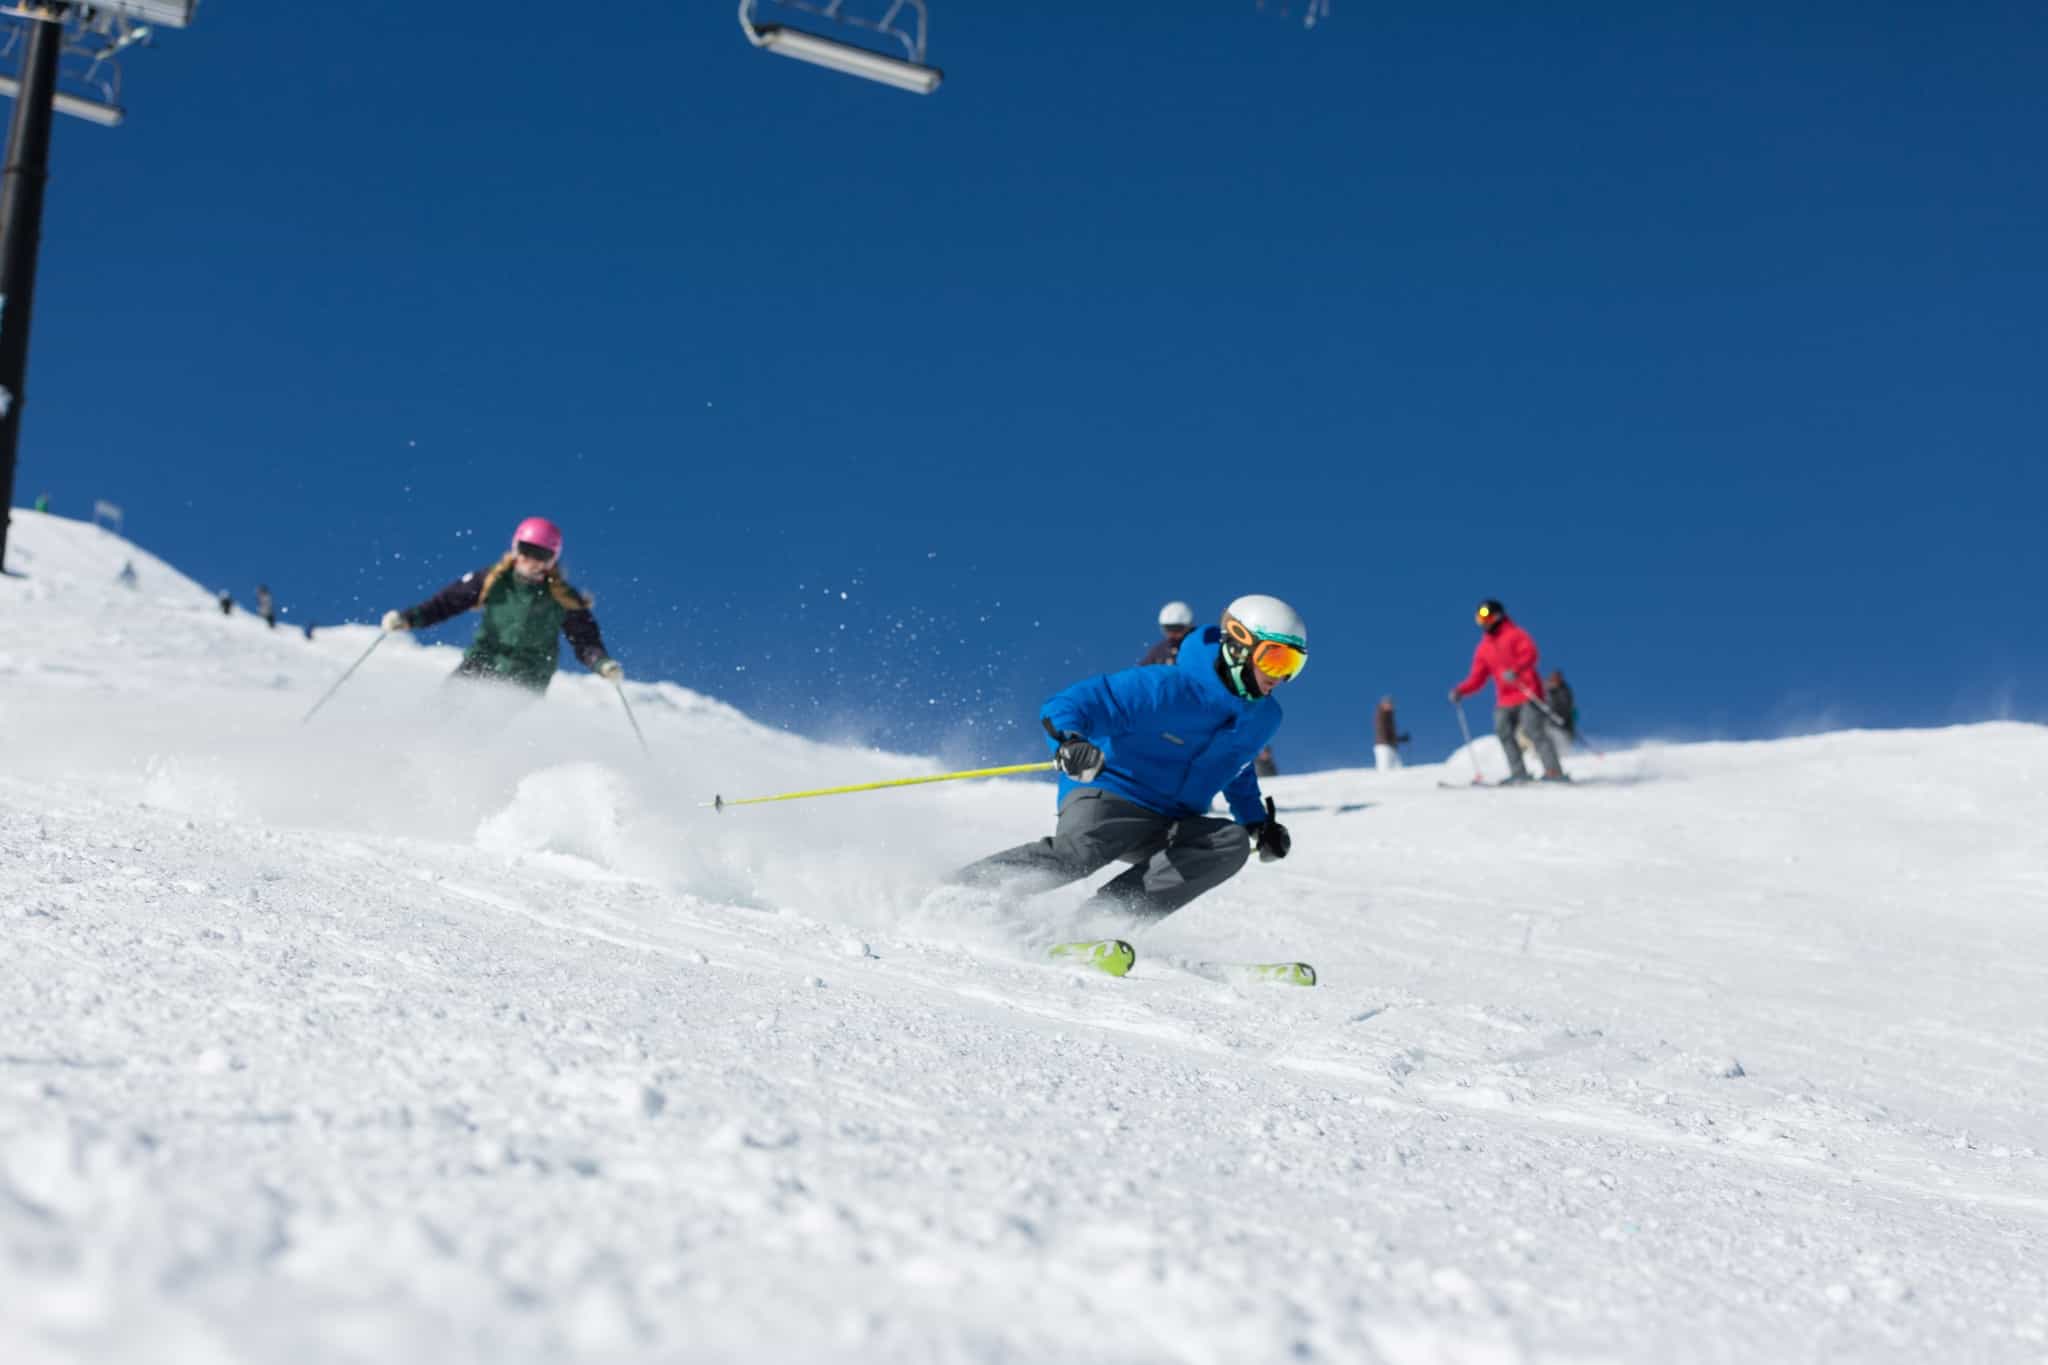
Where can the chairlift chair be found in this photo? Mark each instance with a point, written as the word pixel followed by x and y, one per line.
pixel 904 21
pixel 94 37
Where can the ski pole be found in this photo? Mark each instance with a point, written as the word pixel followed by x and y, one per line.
pixel 630 720
pixel 1477 776
pixel 1558 721
pixel 1544 707
pixel 720 803
pixel 360 661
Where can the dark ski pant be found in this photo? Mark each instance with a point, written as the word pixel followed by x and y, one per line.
pixel 1173 861
pixel 1534 729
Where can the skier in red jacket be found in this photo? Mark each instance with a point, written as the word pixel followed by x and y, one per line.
pixel 1507 655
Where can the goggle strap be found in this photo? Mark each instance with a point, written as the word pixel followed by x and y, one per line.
pixel 1242 633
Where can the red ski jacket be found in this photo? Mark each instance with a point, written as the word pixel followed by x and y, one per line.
pixel 1505 649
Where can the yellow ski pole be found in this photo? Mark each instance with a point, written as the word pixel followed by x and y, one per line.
pixel 719 803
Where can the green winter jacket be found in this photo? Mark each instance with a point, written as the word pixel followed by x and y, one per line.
pixel 520 638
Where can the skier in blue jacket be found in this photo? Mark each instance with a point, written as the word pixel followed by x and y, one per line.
pixel 1142 754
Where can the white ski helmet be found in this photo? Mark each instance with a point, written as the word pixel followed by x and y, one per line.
pixel 1176 614
pixel 1261 633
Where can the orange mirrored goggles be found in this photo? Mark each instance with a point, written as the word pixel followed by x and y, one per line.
pixel 1483 616
pixel 1274 658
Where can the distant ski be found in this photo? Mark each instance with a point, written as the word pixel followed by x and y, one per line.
pixel 1112 956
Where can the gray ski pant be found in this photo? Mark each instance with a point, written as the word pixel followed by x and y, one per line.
pixel 1173 861
pixel 1534 729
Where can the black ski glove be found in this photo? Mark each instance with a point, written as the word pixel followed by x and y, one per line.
pixel 1271 836
pixel 1077 758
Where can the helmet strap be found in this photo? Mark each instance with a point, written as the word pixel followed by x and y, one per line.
pixel 1236 672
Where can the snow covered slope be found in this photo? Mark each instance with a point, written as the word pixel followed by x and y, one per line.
pixel 409 1035
pixel 57 554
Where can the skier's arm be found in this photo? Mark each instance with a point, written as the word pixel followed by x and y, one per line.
pixel 1095 708
pixel 1247 805
pixel 453 600
pixel 1476 679
pixel 581 628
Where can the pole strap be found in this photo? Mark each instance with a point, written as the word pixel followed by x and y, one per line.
pixel 720 803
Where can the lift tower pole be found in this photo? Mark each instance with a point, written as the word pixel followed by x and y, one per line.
pixel 26 172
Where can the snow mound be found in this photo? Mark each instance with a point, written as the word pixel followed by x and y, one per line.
pixel 58 556
pixel 577 810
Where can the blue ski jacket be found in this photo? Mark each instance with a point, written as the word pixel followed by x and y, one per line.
pixel 1172 737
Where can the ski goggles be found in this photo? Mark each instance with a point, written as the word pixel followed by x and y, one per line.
pixel 528 550
pixel 1275 658
pixel 1486 616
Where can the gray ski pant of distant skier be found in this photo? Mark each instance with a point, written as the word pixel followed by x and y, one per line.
pixel 1534 729
pixel 1173 861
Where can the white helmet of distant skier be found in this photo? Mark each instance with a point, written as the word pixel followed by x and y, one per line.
pixel 1176 615
pixel 1265 634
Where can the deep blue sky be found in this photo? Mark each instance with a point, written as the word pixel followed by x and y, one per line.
pixel 1712 343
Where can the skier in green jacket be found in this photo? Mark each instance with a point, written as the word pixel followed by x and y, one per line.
pixel 527 606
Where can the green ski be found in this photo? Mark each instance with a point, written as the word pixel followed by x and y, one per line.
pixel 1249 973
pixel 1110 955
pixel 1287 973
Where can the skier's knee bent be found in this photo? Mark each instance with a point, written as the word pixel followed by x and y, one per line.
pixel 1223 853
pixel 1200 856
pixel 1230 844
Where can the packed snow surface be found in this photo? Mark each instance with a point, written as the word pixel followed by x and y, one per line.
pixel 438 1031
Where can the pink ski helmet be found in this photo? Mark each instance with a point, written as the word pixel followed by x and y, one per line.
pixel 540 532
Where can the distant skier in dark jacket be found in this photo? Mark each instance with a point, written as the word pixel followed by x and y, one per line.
pixel 1386 737
pixel 1176 619
pixel 1143 752
pixel 266 605
pixel 527 606
pixel 1562 702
